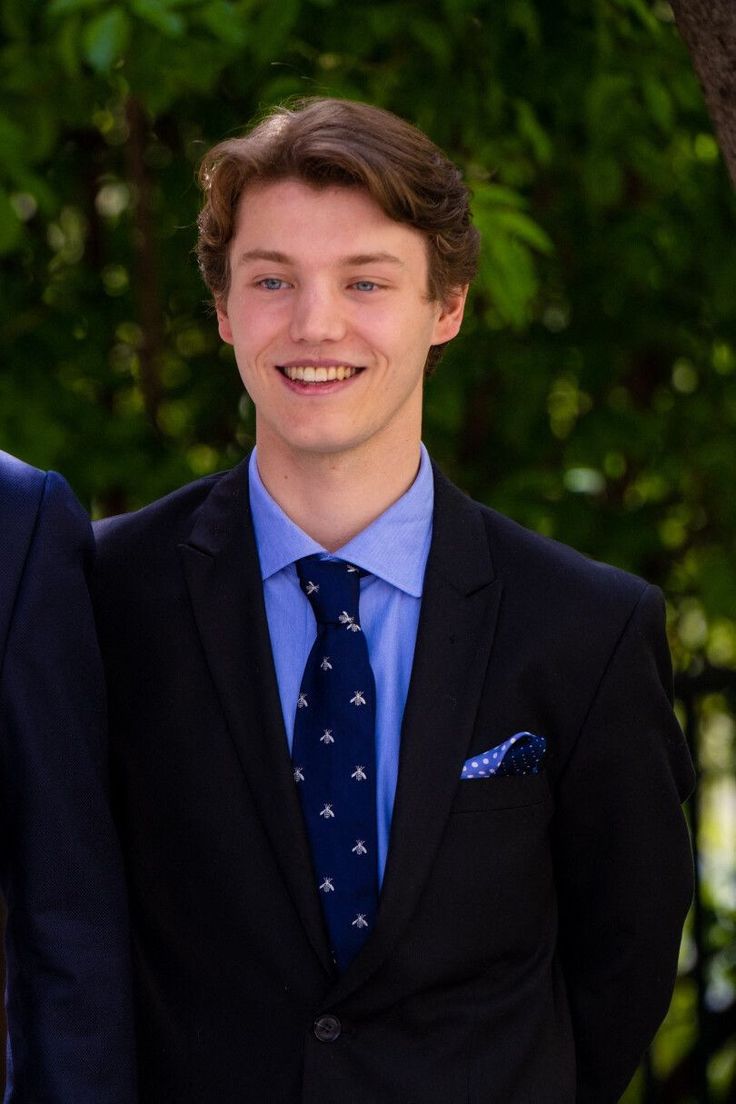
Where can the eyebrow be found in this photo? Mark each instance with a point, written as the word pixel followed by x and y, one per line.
pixel 373 258
pixel 358 259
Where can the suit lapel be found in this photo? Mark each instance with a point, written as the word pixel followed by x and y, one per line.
pixel 456 628
pixel 21 488
pixel 223 576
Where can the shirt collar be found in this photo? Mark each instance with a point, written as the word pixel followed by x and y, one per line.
pixel 394 547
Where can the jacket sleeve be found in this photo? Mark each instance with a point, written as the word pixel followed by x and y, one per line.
pixel 623 856
pixel 69 1003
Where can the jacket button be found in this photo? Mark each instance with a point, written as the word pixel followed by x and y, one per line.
pixel 327 1029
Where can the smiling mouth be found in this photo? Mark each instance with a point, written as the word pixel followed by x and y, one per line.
pixel 308 373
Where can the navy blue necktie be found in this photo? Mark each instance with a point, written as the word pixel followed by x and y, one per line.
pixel 334 758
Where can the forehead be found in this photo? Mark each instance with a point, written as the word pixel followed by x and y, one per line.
pixel 337 221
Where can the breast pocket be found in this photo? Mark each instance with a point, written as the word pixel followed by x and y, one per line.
pixel 507 792
pixel 490 897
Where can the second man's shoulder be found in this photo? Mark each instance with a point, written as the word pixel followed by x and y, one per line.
pixel 32 500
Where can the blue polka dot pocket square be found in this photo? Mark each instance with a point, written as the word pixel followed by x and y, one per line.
pixel 522 753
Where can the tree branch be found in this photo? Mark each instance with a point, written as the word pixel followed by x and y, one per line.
pixel 145 274
pixel 708 28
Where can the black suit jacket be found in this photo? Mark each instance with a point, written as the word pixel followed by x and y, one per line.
pixel 69 1003
pixel 528 927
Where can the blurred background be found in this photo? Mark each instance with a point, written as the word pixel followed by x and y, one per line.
pixel 591 396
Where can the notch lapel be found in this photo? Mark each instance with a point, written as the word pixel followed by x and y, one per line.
pixel 22 489
pixel 456 628
pixel 223 575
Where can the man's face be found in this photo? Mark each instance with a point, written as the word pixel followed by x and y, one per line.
pixel 329 317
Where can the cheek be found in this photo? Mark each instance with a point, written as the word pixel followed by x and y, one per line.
pixel 396 335
pixel 248 332
pixel 257 325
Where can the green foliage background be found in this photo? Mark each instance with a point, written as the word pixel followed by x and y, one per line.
pixel 592 394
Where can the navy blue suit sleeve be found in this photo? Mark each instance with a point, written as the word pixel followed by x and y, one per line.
pixel 69 1002
pixel 624 861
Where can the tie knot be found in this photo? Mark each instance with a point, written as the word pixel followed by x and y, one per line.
pixel 333 589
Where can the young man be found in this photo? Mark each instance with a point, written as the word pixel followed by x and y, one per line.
pixel 68 965
pixel 399 782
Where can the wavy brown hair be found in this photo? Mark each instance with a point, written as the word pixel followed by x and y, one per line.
pixel 327 142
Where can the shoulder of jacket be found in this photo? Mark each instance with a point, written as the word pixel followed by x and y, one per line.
pixel 524 550
pixel 19 478
pixel 167 518
pixel 545 570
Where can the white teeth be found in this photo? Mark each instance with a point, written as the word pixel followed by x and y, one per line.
pixel 307 373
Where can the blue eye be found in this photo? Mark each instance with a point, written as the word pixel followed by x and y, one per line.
pixel 365 285
pixel 272 283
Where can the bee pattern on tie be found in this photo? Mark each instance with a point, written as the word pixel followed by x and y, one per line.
pixel 333 750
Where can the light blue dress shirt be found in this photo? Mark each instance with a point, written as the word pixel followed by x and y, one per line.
pixel 393 550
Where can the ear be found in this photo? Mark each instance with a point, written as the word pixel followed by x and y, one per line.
pixel 450 317
pixel 223 322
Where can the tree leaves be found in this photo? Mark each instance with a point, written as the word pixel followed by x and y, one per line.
pixel 104 39
pixel 161 15
pixel 603 213
pixel 508 269
pixel 10 225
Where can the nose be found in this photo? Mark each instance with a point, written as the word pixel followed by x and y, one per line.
pixel 316 316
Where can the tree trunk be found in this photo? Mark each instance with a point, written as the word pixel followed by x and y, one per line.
pixel 709 30
pixel 145 262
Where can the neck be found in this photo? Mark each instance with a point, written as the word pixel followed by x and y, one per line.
pixel 335 497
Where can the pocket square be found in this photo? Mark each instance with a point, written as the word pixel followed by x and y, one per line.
pixel 522 753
